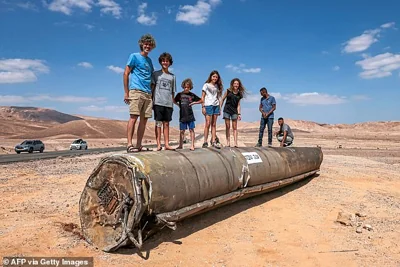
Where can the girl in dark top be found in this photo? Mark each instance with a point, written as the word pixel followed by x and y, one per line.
pixel 232 108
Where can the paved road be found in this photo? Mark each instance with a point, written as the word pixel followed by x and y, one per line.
pixel 10 158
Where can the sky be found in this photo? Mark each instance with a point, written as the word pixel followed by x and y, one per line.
pixel 323 61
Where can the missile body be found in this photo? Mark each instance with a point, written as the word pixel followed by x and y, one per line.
pixel 128 197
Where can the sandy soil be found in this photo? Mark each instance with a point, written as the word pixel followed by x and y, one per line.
pixel 294 226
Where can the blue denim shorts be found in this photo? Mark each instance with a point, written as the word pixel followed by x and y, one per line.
pixel 186 125
pixel 230 116
pixel 212 110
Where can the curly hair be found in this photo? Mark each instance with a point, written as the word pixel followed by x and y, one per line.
pixel 218 83
pixel 166 56
pixel 242 89
pixel 147 38
pixel 185 81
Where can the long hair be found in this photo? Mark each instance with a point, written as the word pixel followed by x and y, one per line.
pixel 242 89
pixel 218 83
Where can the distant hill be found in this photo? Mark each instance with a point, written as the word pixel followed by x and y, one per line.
pixel 34 114
pixel 32 122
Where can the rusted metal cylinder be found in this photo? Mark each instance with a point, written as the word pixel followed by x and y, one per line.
pixel 130 196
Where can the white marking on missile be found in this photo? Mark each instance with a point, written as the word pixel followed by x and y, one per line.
pixel 252 157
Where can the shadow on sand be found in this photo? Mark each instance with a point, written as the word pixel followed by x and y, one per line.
pixel 199 222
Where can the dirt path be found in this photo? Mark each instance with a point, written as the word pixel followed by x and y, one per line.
pixel 294 226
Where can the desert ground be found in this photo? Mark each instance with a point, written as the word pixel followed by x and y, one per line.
pixel 293 226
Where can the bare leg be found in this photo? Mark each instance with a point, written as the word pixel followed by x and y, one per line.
pixel 140 131
pixel 235 132
pixel 158 136
pixel 213 128
pixel 166 135
pixel 207 128
pixel 181 136
pixel 192 138
pixel 130 129
pixel 228 131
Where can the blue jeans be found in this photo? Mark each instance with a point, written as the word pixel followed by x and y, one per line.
pixel 266 122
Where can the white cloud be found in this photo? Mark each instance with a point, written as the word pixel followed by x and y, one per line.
pixel 336 68
pixel 95 108
pixel 88 26
pixel 379 66
pixel 15 99
pixel 314 98
pixel 85 65
pixel 21 70
pixel 241 68
pixel 362 42
pixel 388 25
pixel 169 9
pixel 301 99
pixel 365 40
pixel 66 6
pixel 255 97
pixel 116 69
pixel 12 100
pixel 144 19
pixel 197 14
pixel 111 7
pixel 252 98
pixel 28 5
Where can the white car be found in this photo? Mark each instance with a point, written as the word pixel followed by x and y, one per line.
pixel 78 144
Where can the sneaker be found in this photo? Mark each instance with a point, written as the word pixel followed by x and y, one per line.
pixel 216 145
pixel 258 145
pixel 205 145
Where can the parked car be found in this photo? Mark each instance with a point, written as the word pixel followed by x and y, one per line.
pixel 30 146
pixel 78 144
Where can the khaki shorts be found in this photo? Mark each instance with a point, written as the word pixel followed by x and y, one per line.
pixel 140 104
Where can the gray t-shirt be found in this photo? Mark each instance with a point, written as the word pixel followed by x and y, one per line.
pixel 165 88
pixel 286 127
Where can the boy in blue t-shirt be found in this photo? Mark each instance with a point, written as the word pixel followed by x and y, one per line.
pixel 137 79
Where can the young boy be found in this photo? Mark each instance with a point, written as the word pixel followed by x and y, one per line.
pixel 186 100
pixel 163 86
pixel 267 107
pixel 137 90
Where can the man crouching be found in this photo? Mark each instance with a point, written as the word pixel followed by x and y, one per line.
pixel 284 135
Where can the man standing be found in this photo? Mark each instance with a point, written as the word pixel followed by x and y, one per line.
pixel 284 135
pixel 267 107
pixel 138 91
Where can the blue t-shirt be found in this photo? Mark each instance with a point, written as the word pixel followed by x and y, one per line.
pixel 142 69
pixel 267 105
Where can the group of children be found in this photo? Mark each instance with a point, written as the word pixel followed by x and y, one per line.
pixel 147 90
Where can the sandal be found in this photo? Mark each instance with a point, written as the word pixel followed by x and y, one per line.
pixel 205 144
pixel 132 149
pixel 144 149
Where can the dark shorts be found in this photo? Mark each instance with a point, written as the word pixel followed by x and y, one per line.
pixel 186 125
pixel 212 110
pixel 230 116
pixel 162 113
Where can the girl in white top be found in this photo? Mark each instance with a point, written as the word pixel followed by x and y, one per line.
pixel 211 96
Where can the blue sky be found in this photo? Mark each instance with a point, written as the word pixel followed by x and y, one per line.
pixel 324 61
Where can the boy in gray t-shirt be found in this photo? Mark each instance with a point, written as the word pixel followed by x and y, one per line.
pixel 163 84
